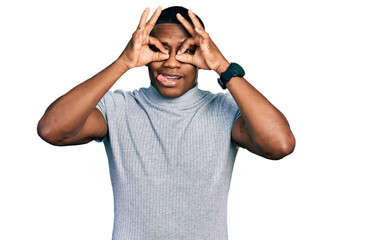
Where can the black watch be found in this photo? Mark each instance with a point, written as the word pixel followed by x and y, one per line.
pixel 234 70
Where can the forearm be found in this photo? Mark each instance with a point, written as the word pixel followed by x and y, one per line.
pixel 264 130
pixel 268 129
pixel 68 113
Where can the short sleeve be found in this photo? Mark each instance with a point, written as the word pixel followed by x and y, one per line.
pixel 111 104
pixel 101 106
pixel 231 108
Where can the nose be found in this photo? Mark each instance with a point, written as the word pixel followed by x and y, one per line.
pixel 171 62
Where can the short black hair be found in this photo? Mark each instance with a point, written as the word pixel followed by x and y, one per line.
pixel 168 15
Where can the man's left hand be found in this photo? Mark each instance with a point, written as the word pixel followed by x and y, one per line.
pixel 207 55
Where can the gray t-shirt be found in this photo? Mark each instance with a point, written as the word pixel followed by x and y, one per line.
pixel 171 161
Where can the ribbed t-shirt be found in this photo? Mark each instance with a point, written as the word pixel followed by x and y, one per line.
pixel 170 162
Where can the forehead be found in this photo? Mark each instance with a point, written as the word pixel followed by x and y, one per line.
pixel 172 31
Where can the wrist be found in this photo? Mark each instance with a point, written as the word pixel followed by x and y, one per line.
pixel 222 67
pixel 122 64
pixel 233 70
pixel 119 67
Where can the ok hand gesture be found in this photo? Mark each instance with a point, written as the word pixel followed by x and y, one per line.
pixel 137 52
pixel 207 54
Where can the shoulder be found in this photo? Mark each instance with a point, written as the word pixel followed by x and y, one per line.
pixel 222 104
pixel 227 107
pixel 223 100
pixel 119 96
pixel 114 101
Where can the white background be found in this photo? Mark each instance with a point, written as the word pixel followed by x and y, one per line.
pixel 314 60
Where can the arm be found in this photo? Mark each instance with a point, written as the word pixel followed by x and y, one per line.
pixel 73 118
pixel 261 129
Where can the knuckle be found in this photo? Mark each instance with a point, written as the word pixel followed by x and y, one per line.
pixel 136 34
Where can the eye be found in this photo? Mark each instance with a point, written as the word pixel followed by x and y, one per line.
pixel 190 51
pixel 153 48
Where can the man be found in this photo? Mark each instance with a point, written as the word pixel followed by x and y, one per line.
pixel 171 147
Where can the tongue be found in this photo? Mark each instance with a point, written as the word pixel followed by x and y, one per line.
pixel 162 78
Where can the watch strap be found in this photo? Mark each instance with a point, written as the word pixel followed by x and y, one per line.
pixel 230 72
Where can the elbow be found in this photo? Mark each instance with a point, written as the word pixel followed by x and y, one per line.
pixel 284 147
pixel 279 148
pixel 49 134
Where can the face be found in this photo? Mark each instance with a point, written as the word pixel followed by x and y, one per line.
pixel 170 77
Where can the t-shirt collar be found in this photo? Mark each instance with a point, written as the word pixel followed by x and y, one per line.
pixel 187 99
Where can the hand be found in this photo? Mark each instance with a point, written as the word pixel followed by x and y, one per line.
pixel 207 54
pixel 137 52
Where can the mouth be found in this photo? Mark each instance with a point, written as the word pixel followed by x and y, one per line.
pixel 168 80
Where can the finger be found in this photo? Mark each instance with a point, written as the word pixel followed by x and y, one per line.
pixel 194 19
pixel 143 19
pixel 137 38
pixel 186 44
pixel 158 56
pixel 158 44
pixel 151 23
pixel 186 24
pixel 185 58
pixel 204 36
pixel 201 32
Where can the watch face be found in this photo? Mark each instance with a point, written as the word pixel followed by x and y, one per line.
pixel 238 68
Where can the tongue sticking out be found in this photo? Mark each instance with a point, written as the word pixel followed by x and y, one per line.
pixel 162 78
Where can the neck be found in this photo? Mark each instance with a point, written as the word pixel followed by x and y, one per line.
pixel 189 98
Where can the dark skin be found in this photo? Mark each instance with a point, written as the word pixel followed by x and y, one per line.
pixel 176 52
pixel 172 37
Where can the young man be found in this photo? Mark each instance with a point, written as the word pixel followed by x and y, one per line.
pixel 171 147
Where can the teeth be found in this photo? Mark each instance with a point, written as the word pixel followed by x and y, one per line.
pixel 168 78
pixel 175 77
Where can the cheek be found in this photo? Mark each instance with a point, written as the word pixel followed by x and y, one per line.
pixel 152 67
pixel 192 71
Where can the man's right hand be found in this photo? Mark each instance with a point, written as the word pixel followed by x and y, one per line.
pixel 137 53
